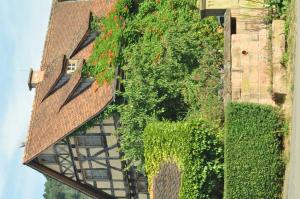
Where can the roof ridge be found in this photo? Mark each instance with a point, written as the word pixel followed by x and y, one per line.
pixel 49 29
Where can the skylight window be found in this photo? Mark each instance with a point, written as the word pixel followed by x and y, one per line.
pixel 72 66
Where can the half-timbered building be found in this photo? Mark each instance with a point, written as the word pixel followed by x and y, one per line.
pixel 59 143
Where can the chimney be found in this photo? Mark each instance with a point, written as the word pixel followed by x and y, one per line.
pixel 35 77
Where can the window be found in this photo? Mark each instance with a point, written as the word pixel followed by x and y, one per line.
pixel 84 84
pixel 96 174
pixel 90 141
pixel 62 81
pixel 72 65
pixel 48 159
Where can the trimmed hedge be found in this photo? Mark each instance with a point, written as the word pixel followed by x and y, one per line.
pixel 195 148
pixel 253 159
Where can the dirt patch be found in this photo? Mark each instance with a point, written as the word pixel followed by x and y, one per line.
pixel 166 184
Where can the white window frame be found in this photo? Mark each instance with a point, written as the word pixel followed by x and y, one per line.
pixel 91 174
pixel 72 66
pixel 87 140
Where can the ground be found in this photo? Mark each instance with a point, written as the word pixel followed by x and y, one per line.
pixel 167 183
pixel 294 172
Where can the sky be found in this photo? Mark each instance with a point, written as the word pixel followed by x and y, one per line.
pixel 23 26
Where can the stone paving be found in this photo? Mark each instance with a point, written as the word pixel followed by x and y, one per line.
pixel 257 74
pixel 251 77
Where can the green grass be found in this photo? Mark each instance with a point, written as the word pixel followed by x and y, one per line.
pixel 195 148
pixel 253 158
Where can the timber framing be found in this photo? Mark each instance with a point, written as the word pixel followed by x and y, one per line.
pixel 88 190
pixel 62 143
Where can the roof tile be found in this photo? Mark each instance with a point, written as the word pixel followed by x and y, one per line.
pixel 51 122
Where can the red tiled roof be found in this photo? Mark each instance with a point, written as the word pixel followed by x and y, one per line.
pixel 52 119
pixel 52 74
pixel 68 24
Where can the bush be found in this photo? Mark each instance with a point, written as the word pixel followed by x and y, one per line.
pixel 253 159
pixel 171 60
pixel 195 148
pixel 277 9
pixel 106 53
pixel 165 42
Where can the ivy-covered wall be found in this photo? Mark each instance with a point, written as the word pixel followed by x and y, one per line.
pixel 194 146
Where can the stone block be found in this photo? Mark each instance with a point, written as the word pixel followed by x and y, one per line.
pixel 278 49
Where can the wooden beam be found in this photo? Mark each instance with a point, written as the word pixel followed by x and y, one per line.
pixel 87 189
pixel 103 150
pixel 58 159
pixel 116 119
pixel 90 163
pixel 227 94
pixel 78 155
pixel 107 159
pixel 72 158
pixel 112 167
pixel 91 158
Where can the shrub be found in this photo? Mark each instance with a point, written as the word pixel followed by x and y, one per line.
pixel 253 161
pixel 161 45
pixel 277 9
pixel 165 42
pixel 106 53
pixel 195 148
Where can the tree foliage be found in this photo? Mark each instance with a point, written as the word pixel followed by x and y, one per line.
pixel 164 50
pixel 57 190
pixel 171 59
pixel 105 57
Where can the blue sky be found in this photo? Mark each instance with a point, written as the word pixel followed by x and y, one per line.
pixel 23 26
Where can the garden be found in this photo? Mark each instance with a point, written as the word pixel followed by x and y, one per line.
pixel 253 152
pixel 170 102
pixel 171 60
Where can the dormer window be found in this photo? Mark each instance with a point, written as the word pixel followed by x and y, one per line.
pixel 72 66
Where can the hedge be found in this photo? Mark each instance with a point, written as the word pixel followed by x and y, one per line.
pixel 253 159
pixel 195 148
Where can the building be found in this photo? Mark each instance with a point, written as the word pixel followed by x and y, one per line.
pixel 253 50
pixel 64 141
pixel 218 7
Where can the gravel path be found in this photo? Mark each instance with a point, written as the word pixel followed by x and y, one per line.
pixel 166 184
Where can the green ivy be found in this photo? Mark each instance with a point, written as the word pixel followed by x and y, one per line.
pixel 171 61
pixel 106 53
pixel 193 145
pixel 165 44
pixel 106 113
